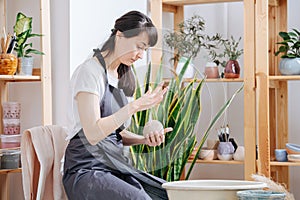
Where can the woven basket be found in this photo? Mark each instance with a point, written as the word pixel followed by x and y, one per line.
pixel 8 64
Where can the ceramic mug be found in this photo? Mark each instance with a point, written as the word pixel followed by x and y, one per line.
pixel 281 155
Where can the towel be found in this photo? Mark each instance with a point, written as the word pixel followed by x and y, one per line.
pixel 42 149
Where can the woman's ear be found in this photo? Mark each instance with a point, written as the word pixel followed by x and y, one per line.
pixel 119 34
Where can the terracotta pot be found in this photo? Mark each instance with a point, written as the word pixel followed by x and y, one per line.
pixel 211 70
pixel 232 69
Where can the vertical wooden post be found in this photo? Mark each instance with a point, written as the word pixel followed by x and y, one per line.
pixel 156 51
pixel 262 72
pixel 249 90
pixel 46 63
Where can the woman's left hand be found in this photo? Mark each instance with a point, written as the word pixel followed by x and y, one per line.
pixel 157 137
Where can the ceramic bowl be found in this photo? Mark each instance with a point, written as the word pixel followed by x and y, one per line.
pixel 292 148
pixel 260 194
pixel 209 189
pixel 207 154
pixel 294 157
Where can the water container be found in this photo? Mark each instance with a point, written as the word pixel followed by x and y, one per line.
pixel 260 195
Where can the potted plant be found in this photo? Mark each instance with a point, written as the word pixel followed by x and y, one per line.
pixel 290 50
pixel 231 53
pixel 180 110
pixel 186 42
pixel 212 45
pixel 23 48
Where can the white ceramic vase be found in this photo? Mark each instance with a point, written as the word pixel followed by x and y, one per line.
pixel 190 71
pixel 289 66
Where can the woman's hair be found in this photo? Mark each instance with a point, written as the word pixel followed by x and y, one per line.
pixel 130 24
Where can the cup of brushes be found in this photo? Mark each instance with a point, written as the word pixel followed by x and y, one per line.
pixel 8 61
pixel 226 147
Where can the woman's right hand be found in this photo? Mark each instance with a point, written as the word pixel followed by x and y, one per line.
pixel 150 99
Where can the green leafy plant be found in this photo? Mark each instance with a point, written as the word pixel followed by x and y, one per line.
pixel 189 39
pixel 290 46
pixel 180 110
pixel 23 31
pixel 230 51
pixel 213 45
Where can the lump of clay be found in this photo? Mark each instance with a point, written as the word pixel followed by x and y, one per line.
pixel 151 126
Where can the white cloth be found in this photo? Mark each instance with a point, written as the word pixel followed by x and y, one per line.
pixel 42 148
pixel 88 77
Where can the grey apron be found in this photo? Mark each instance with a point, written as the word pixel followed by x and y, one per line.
pixel 102 171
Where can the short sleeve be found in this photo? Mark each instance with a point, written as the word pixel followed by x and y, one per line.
pixel 89 77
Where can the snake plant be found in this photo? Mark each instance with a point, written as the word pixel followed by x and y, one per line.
pixel 180 110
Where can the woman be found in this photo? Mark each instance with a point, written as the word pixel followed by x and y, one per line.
pixel 95 167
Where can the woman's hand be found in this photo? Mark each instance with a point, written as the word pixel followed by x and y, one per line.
pixel 156 138
pixel 150 99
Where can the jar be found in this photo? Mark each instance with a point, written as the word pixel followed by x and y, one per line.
pixel 10 159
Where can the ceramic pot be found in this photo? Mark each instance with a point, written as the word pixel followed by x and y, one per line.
pixel 190 71
pixel 225 151
pixel 225 148
pixel 232 69
pixel 211 70
pixel 25 66
pixel 289 66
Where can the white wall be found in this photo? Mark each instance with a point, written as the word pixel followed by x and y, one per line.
pixel 91 22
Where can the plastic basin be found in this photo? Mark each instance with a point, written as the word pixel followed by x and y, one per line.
pixel 209 189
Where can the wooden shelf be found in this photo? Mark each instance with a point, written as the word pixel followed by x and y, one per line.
pixel 226 80
pixel 6 171
pixel 233 162
pixel 191 2
pixel 274 163
pixel 284 78
pixel 19 78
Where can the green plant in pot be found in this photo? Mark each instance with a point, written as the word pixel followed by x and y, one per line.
pixel 212 46
pixel 186 42
pixel 231 53
pixel 180 110
pixel 289 47
pixel 23 48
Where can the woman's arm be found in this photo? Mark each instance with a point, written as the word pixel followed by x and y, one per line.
pixel 97 128
pixel 153 139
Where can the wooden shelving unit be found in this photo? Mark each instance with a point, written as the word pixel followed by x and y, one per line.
pixel 42 75
pixel 177 8
pixel 265 90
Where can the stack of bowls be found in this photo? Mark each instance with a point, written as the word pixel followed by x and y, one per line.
pixel 293 151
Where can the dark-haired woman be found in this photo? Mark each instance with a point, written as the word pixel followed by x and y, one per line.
pixel 94 166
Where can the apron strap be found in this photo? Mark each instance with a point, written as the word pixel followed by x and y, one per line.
pixel 115 91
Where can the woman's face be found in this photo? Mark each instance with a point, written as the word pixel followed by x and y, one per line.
pixel 131 49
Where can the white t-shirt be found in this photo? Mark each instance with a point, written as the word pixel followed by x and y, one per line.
pixel 88 77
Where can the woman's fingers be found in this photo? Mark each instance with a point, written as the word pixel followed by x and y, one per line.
pixel 155 138
pixel 169 129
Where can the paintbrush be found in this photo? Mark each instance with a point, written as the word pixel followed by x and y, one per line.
pixel 11 45
pixel 7 42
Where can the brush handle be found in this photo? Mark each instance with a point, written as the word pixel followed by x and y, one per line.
pixel 11 44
